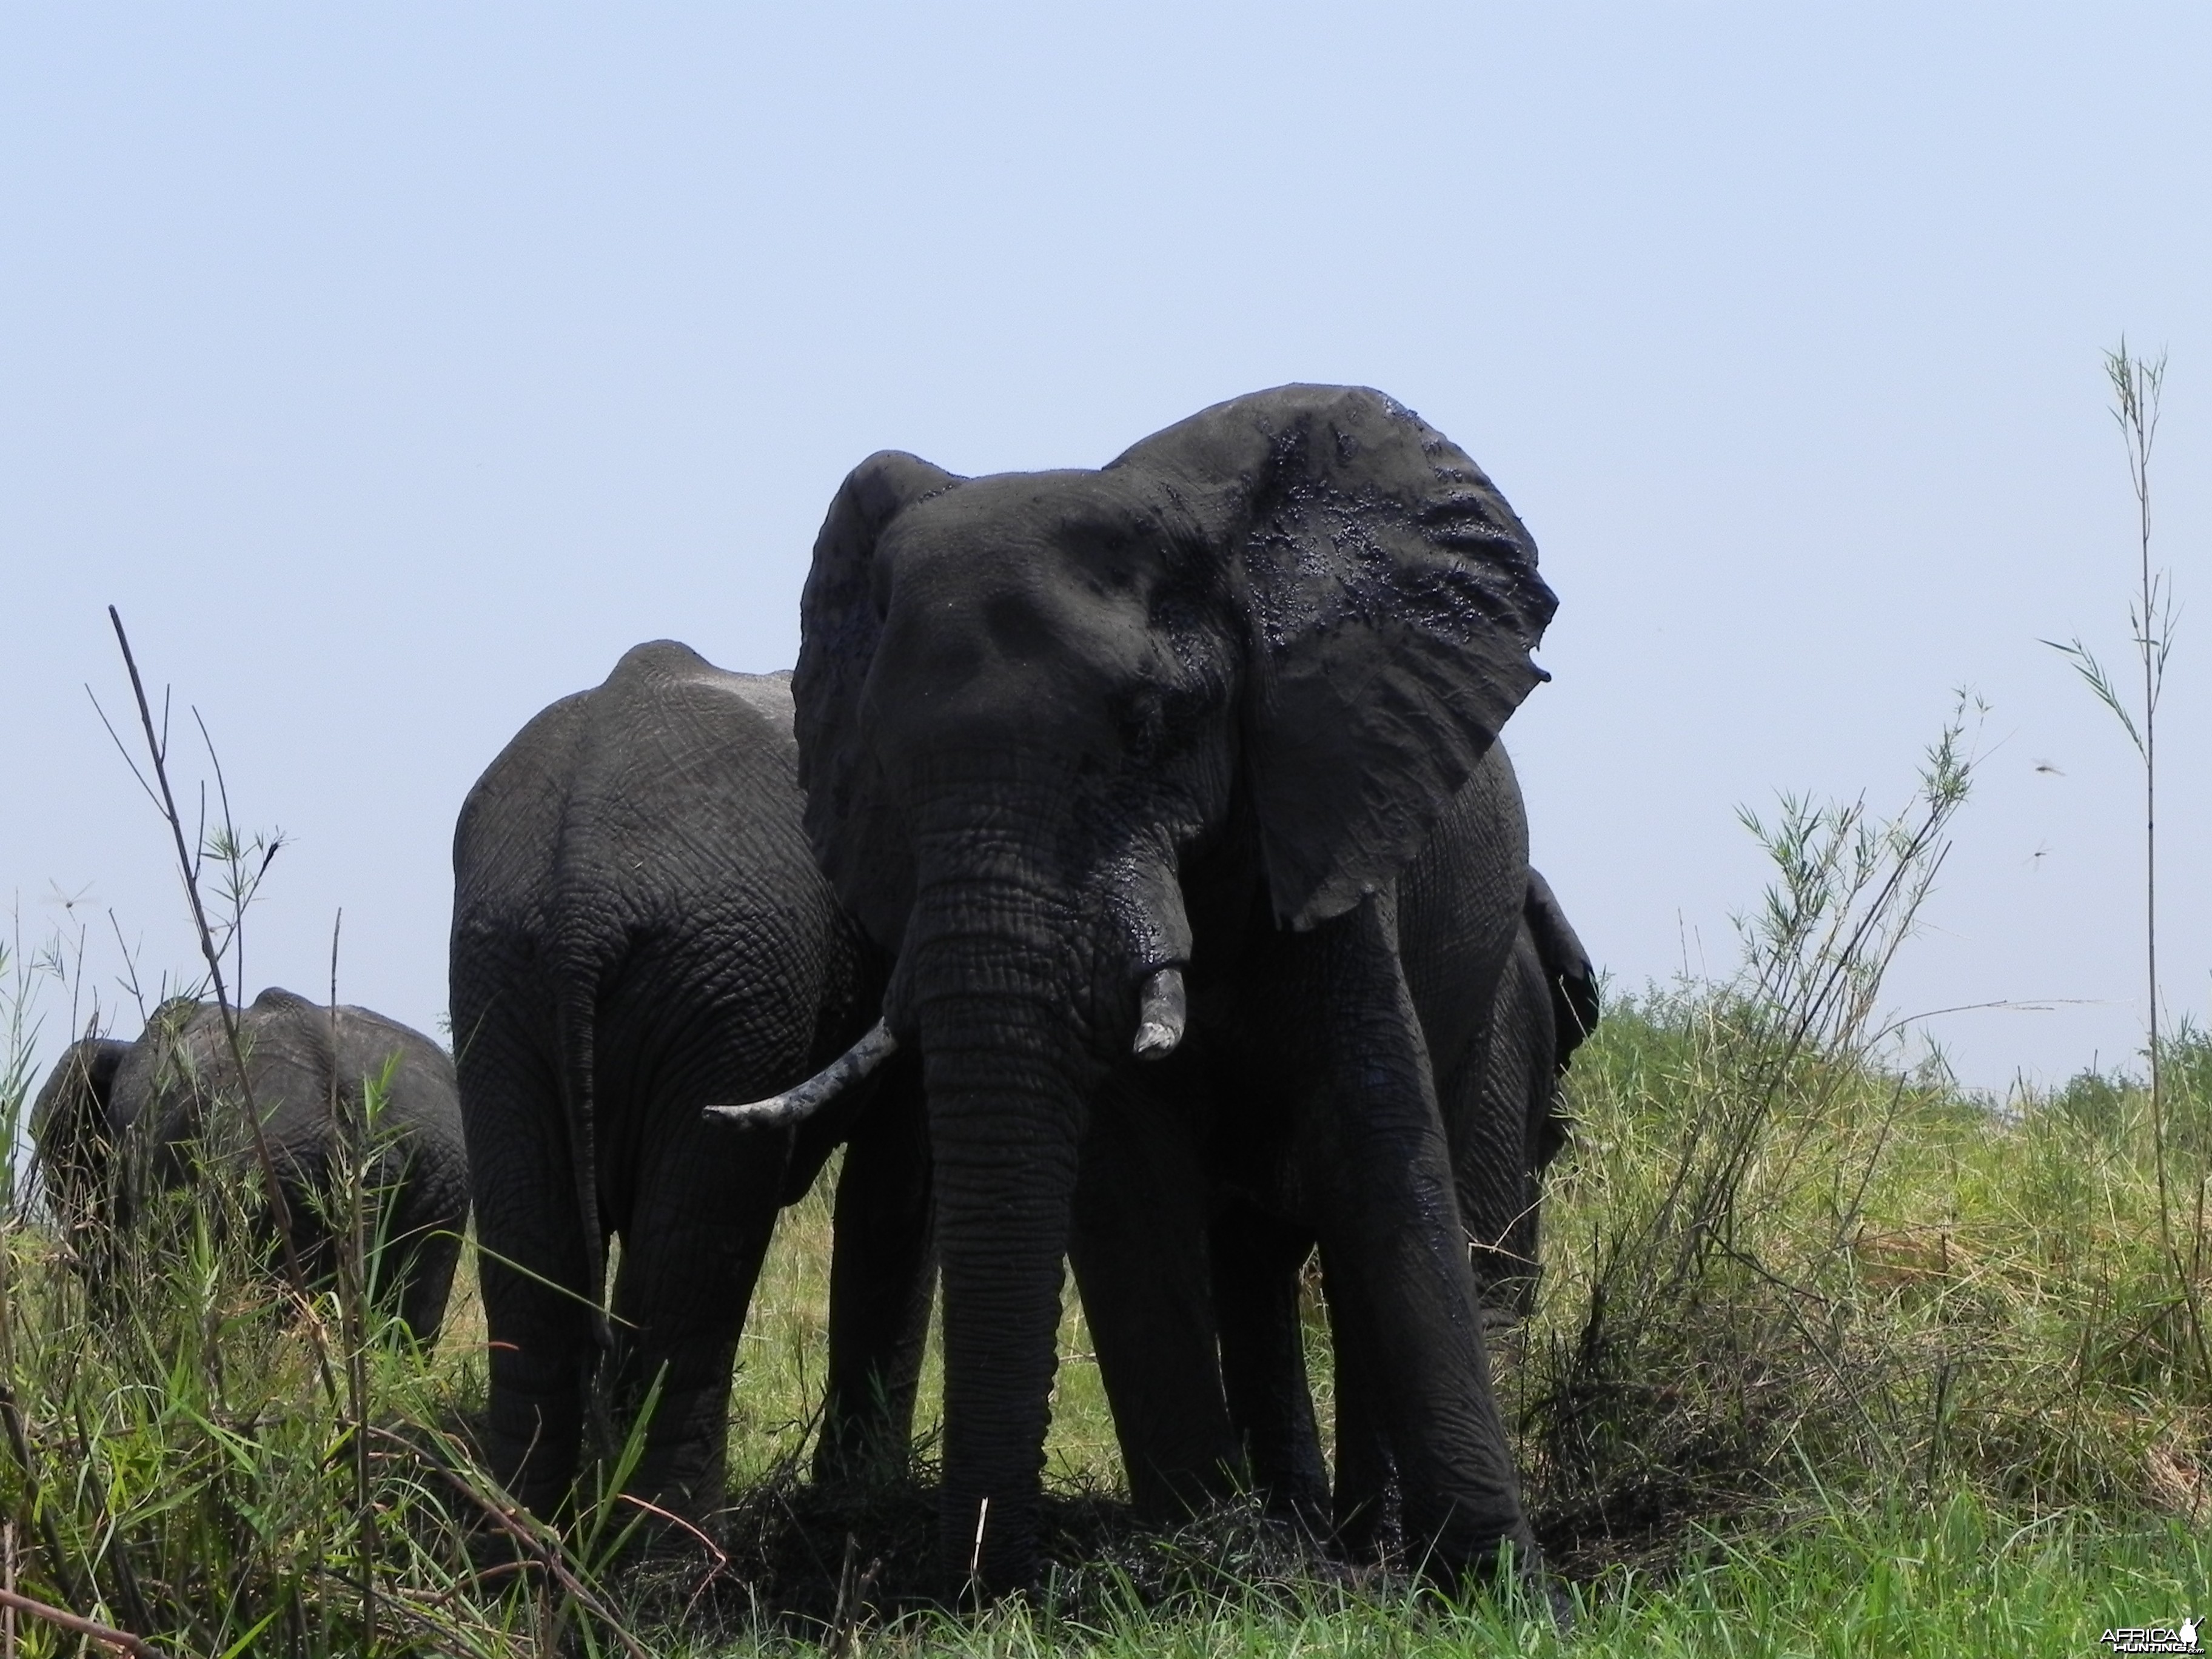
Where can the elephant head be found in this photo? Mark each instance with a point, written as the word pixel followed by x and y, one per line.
pixel 74 1127
pixel 113 1116
pixel 1056 727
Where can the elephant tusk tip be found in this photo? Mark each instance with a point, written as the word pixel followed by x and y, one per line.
pixel 753 1111
pixel 796 1104
pixel 1155 1041
pixel 1160 1015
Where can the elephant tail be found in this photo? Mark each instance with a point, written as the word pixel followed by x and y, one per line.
pixel 577 1017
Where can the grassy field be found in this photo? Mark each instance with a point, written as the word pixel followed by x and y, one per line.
pixel 1830 1357
pixel 1932 1389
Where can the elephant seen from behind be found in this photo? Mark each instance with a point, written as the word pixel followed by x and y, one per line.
pixel 640 930
pixel 115 1121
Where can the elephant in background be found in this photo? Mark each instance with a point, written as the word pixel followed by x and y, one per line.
pixel 1126 766
pixel 115 1121
pixel 1499 1091
pixel 640 930
pixel 1547 1006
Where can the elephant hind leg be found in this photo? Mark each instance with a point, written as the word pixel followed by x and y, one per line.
pixel 1499 1104
pixel 701 1216
pixel 1256 1259
pixel 531 1264
pixel 1363 1502
pixel 1139 1242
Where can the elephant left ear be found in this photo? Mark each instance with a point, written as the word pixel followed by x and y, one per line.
pixel 1391 601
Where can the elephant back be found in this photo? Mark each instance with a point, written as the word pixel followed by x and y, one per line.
pixel 639 847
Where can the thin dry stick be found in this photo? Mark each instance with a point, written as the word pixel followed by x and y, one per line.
pixel 2136 388
pixel 7 1583
pixel 280 1211
pixel 77 1624
pixel 351 1138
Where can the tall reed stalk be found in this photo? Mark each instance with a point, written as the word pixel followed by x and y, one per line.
pixel 2138 385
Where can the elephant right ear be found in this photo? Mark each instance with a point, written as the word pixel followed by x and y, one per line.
pixel 840 620
pixel 1567 973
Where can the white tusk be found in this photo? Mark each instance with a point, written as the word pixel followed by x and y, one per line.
pixel 1160 1015
pixel 802 1101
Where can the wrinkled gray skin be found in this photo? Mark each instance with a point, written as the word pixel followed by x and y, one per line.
pixel 1503 1123
pixel 115 1119
pixel 1545 1007
pixel 639 931
pixel 1205 707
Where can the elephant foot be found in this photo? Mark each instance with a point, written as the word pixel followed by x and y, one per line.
pixel 987 1548
pixel 1511 1567
pixel 532 1433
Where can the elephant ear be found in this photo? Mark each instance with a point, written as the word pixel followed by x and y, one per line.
pixel 1391 600
pixel 1567 971
pixel 840 620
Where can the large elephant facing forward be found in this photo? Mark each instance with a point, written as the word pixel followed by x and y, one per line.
pixel 639 931
pixel 1128 764
pixel 115 1120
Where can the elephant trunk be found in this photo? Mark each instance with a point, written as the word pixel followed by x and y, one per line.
pixel 989 980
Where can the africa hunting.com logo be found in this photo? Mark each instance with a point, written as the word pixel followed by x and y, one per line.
pixel 2154 1638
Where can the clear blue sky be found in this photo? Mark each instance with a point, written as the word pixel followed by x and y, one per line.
pixel 394 369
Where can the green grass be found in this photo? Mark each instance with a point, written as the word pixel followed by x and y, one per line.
pixel 1955 1579
pixel 1830 1357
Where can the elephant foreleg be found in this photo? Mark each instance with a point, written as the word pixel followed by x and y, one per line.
pixel 881 1270
pixel 1372 1166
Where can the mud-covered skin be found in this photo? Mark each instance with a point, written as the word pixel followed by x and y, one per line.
pixel 641 931
pixel 1204 707
pixel 115 1119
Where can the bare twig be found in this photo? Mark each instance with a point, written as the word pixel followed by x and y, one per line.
pixel 280 1210
pixel 76 1624
pixel 349 1134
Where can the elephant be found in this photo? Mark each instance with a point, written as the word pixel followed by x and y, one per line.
pixel 1125 770
pixel 1545 1008
pixel 1502 1122
pixel 114 1121
pixel 640 930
